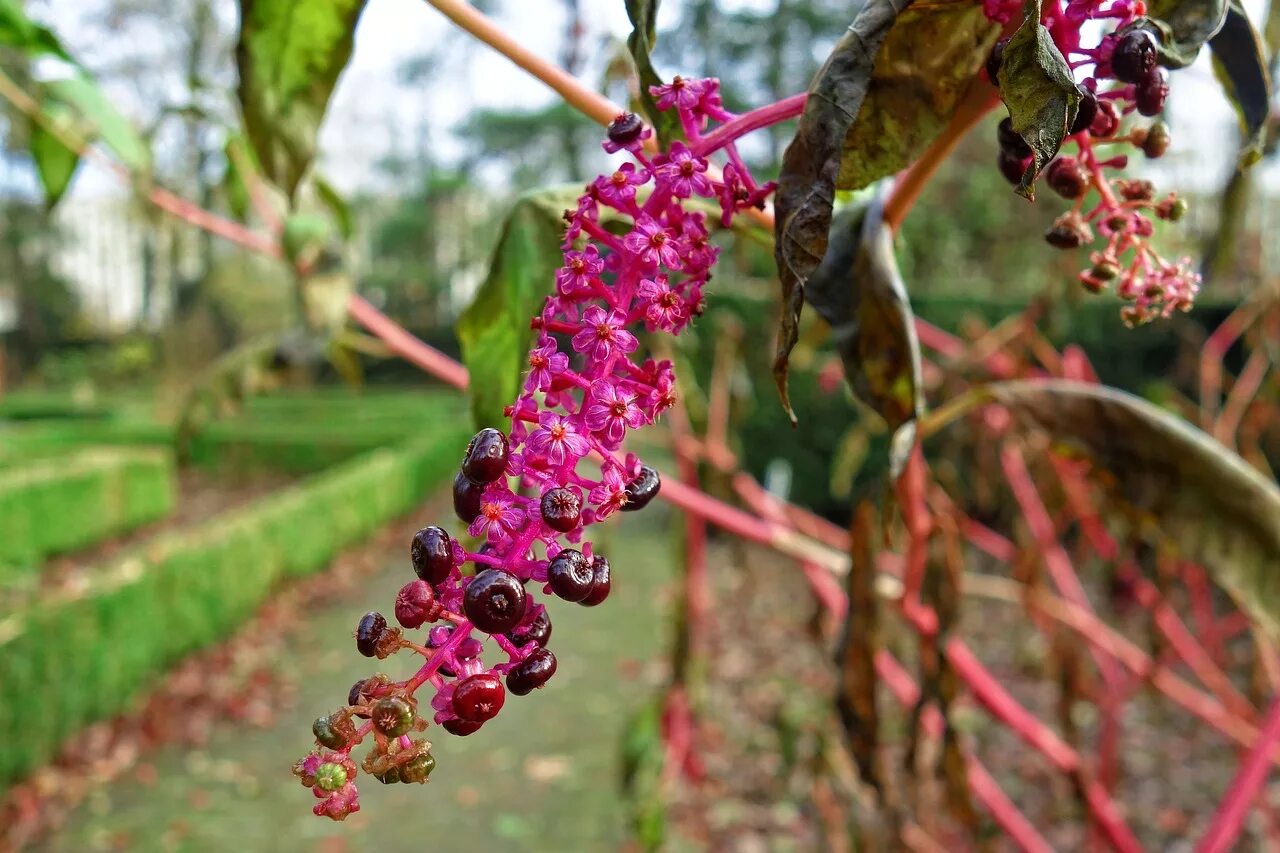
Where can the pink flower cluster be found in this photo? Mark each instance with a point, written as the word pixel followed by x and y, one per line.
pixel 1119 77
pixel 557 469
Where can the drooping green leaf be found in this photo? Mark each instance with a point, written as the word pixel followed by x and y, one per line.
pixel 55 163
pixel 923 69
pixel 644 35
pixel 20 32
pixel 1209 503
pixel 98 119
pixel 1239 63
pixel 235 186
pixel 336 204
pixel 494 330
pixel 289 55
pixel 1036 85
pixel 811 166
pixel 1184 27
pixel 857 289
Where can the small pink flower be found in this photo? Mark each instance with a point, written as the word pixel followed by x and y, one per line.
pixel 557 438
pixel 684 173
pixel 579 269
pixel 545 362
pixel 680 93
pixel 666 307
pixel 611 412
pixel 710 104
pixel 603 334
pixel 498 517
pixel 610 495
pixel 663 396
pixel 653 243
pixel 619 189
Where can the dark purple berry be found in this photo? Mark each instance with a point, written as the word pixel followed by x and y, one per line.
pixel 995 59
pixel 642 489
pixel 1151 92
pixel 393 716
pixel 537 631
pixel 1011 166
pixel 355 694
pixel 1134 56
pixel 479 697
pixel 569 575
pixel 601 582
pixel 1067 177
pixel 416 604
pixel 1085 113
pixel 486 458
pixel 432 550
pixel 531 673
pixel 625 128
pixel 1010 141
pixel 1106 121
pixel 461 728
pixel 466 497
pixel 1064 237
pixel 370 630
pixel 561 509
pixel 494 601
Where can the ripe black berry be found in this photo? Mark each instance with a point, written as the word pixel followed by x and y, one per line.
pixel 1011 166
pixel 995 59
pixel 393 716
pixel 537 631
pixel 1068 177
pixel 625 128
pixel 531 673
pixel 327 734
pixel 1134 56
pixel 461 728
pixel 1063 237
pixel 642 489
pixel 479 697
pixel 1010 141
pixel 432 551
pixel 355 694
pixel 370 630
pixel 494 601
pixel 1151 92
pixel 561 509
pixel 486 458
pixel 569 575
pixel 416 604
pixel 1085 113
pixel 466 497
pixel 601 582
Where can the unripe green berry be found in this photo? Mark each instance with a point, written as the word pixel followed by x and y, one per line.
pixel 327 734
pixel 392 716
pixel 418 769
pixel 331 777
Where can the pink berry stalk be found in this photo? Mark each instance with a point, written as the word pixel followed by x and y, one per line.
pixel 529 494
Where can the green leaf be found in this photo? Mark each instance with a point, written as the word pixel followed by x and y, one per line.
pixel 336 204
pixel 923 69
pixel 1184 27
pixel 98 119
pixel 494 330
pixel 19 31
pixel 289 56
pixel 1036 85
pixel 1238 62
pixel 55 163
pixel 643 756
pixel 1211 505
pixel 304 234
pixel 811 165
pixel 644 35
pixel 857 289
pixel 235 186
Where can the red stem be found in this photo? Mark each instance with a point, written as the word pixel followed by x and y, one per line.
pixel 756 119
pixel 1244 788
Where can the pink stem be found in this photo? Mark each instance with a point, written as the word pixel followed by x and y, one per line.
pixel 756 119
pixel 1244 788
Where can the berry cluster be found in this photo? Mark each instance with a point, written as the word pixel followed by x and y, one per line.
pixel 521 493
pixel 1125 78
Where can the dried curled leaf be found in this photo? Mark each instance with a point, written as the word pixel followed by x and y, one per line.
pixel 857 289
pixel 1211 505
pixel 923 69
pixel 1238 61
pixel 1037 87
pixel 811 166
